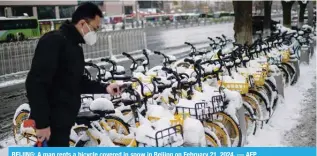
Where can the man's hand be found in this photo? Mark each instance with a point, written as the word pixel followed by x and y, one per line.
pixel 113 89
pixel 43 134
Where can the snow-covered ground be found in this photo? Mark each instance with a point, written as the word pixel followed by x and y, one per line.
pixel 288 126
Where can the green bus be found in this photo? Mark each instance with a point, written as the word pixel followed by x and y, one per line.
pixel 18 29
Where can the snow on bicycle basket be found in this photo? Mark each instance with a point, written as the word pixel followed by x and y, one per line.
pixel 200 110
pixel 239 84
pixel 161 133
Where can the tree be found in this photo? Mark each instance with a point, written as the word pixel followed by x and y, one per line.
pixel 302 8
pixel 267 18
pixel 287 8
pixel 311 12
pixel 243 21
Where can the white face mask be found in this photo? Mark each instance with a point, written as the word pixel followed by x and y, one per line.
pixel 91 37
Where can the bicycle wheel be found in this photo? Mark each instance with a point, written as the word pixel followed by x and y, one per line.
pixel 117 124
pixel 221 132
pixel 72 143
pixel 86 143
pixel 291 70
pixel 84 140
pixel 268 91
pixel 17 133
pixel 257 111
pixel 264 103
pixel 211 140
pixel 232 127
pixel 285 75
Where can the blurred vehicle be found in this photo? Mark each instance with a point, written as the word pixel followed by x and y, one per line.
pixel 18 29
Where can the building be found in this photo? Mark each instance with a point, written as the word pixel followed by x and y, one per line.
pixel 48 9
pixel 44 9
pixel 150 4
pixel 119 7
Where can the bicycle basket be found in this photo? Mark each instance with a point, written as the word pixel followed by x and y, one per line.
pixel 170 137
pixel 265 69
pixel 217 104
pixel 241 87
pixel 200 112
pixel 259 79
pixel 285 56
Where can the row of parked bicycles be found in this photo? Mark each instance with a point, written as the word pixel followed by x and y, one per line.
pixel 215 97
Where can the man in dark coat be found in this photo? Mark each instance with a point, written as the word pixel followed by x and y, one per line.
pixel 55 81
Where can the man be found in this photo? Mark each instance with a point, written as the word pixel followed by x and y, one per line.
pixel 56 80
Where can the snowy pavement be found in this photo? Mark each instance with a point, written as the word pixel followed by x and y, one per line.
pixel 294 122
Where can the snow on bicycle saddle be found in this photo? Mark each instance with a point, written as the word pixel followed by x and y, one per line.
pixel 101 104
pixel 159 112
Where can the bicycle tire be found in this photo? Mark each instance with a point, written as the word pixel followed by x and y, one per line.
pixel 260 98
pixel 77 130
pixel 235 132
pixel 18 121
pixel 221 132
pixel 292 72
pixel 271 84
pixel 249 112
pixel 118 120
pixel 285 75
pixel 211 141
pixel 81 143
pixel 268 90
pixel 256 109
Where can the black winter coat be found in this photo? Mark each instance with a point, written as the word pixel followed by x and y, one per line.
pixel 55 80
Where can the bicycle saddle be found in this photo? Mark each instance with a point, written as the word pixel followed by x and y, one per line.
pixel 86 117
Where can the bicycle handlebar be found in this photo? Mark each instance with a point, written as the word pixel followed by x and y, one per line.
pixel 146 56
pixel 90 64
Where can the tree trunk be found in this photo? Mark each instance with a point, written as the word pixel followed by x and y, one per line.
pixel 243 21
pixel 287 8
pixel 267 18
pixel 310 13
pixel 301 13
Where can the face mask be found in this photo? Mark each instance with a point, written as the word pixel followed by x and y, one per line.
pixel 91 37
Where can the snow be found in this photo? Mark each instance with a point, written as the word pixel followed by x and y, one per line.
pixel 24 106
pixel 287 114
pixel 235 103
pixel 146 133
pixel 11 83
pixel 194 133
pixel 224 129
pixel 237 78
pixel 101 104
pixel 214 136
pixel 159 112
pixel 199 34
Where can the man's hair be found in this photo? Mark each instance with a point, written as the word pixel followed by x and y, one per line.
pixel 86 11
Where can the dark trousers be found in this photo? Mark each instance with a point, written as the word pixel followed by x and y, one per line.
pixel 59 137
